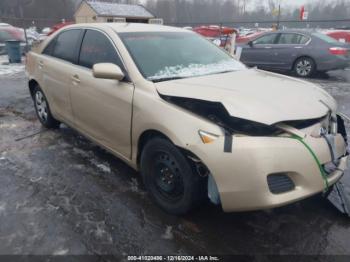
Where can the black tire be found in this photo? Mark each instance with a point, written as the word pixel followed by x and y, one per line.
pixel 304 67
pixel 42 109
pixel 162 162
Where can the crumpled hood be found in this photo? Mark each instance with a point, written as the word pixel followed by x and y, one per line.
pixel 255 95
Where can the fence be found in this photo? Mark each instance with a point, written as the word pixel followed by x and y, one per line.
pixel 28 22
pixel 321 23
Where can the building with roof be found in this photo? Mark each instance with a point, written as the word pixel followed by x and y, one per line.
pixel 106 12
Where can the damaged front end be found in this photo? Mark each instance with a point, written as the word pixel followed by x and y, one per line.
pixel 217 113
pixel 337 196
pixel 325 127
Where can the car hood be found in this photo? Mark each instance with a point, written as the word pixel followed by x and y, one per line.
pixel 255 95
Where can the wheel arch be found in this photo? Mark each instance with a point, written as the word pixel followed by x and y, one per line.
pixel 152 133
pixel 146 136
pixel 31 85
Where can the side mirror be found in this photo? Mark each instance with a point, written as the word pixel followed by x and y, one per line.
pixel 250 43
pixel 107 71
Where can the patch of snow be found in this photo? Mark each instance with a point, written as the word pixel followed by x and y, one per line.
pixel 168 235
pixel 82 153
pixel 2 207
pixel 81 167
pixel 34 180
pixel 134 185
pixel 52 207
pixel 10 126
pixel 104 168
pixel 9 69
pixel 197 70
pixel 61 252
pixel 100 231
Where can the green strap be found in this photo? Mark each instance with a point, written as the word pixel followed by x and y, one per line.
pixel 323 173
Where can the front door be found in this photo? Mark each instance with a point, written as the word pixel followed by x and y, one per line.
pixel 102 107
pixel 261 51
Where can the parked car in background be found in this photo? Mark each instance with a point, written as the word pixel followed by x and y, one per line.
pixel 44 33
pixel 46 30
pixel 32 35
pixel 301 52
pixel 246 31
pixel 220 35
pixel 340 35
pixel 196 122
pixel 58 26
pixel 243 39
pixel 8 32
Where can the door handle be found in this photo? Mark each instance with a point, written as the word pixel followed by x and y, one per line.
pixel 268 47
pixel 76 79
pixel 41 64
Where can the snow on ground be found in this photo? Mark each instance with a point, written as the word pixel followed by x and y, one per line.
pixel 7 69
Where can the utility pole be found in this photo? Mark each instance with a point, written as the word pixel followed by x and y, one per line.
pixel 279 16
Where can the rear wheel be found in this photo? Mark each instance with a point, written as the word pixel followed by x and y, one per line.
pixel 42 109
pixel 169 177
pixel 304 67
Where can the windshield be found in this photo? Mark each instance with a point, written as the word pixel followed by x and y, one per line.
pixel 326 38
pixel 164 56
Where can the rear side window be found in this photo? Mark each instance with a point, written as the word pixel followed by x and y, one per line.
pixel 304 39
pixel 292 39
pixel 97 48
pixel 325 38
pixel 265 40
pixel 66 45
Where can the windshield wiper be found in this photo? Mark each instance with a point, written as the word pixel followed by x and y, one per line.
pixel 167 79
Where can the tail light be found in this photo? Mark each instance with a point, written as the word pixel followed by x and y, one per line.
pixel 338 51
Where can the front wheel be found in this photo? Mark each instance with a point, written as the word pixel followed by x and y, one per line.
pixel 169 177
pixel 304 67
pixel 42 110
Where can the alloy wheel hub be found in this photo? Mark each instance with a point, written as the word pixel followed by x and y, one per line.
pixel 304 67
pixel 41 106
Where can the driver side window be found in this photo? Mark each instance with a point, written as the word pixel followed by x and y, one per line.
pixel 265 40
pixel 97 48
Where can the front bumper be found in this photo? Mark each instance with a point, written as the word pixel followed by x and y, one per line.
pixel 241 176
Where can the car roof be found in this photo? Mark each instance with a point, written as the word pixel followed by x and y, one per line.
pixel 129 27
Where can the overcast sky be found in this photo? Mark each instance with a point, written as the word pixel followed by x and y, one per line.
pixel 301 2
pixel 297 2
pixel 289 3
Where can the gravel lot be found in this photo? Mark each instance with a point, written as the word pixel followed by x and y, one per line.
pixel 61 194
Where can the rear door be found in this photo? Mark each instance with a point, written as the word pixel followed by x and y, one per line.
pixel 261 52
pixel 102 107
pixel 288 48
pixel 56 64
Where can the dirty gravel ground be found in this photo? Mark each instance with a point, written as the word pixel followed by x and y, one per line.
pixel 61 194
